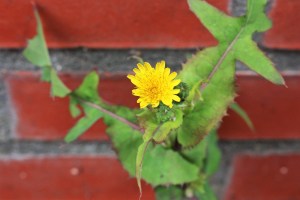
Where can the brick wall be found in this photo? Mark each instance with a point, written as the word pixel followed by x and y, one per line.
pixel 36 164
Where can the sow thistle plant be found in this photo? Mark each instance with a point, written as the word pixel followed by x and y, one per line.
pixel 171 141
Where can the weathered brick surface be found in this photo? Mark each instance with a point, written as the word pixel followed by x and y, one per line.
pixel 109 24
pixel 272 116
pixel 285 31
pixel 66 178
pixel 271 177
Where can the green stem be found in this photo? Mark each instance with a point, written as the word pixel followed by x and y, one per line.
pixel 113 115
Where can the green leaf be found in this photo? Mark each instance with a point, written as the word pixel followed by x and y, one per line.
pixel 213 157
pixel 172 167
pixel 88 90
pixel 196 154
pixel 207 194
pixel 91 116
pixel 194 94
pixel 236 108
pixel 199 184
pixel 37 52
pixel 139 163
pixel 236 34
pixel 164 129
pixel 73 107
pixel 169 193
pixel 58 88
pixel 216 65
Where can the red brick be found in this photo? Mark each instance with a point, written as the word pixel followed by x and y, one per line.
pixel 38 116
pixel 68 178
pixel 106 24
pixel 273 109
pixel 285 32
pixel 273 177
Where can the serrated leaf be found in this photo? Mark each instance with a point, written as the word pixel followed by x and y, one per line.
pixel 237 32
pixel 58 88
pixel 240 111
pixel 91 116
pixel 217 65
pixel 169 193
pixel 37 52
pixel 213 157
pixel 172 167
pixel 217 95
pixel 88 90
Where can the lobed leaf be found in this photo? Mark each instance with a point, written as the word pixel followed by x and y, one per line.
pixel 91 116
pixel 37 52
pixel 88 90
pixel 216 65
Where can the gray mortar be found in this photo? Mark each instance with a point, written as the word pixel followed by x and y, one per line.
pixel 23 149
pixel 30 148
pixel 4 116
pixel 122 61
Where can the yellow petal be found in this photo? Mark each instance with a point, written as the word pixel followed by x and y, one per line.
pixel 172 76
pixel 176 98
pixel 167 101
pixel 143 104
pixel 136 71
pixel 175 91
pixel 147 66
pixel 175 82
pixel 167 72
pixel 155 105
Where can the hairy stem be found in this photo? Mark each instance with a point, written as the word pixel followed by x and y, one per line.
pixel 113 115
pixel 222 58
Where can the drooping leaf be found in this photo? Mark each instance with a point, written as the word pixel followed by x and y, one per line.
pixel 172 167
pixel 139 163
pixel 216 65
pixel 240 111
pixel 171 192
pixel 37 52
pixel 91 116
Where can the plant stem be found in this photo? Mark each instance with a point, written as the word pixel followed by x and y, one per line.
pixel 217 66
pixel 113 115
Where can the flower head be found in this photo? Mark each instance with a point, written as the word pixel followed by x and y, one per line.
pixel 154 85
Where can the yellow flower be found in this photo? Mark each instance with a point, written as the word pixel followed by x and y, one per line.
pixel 154 85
